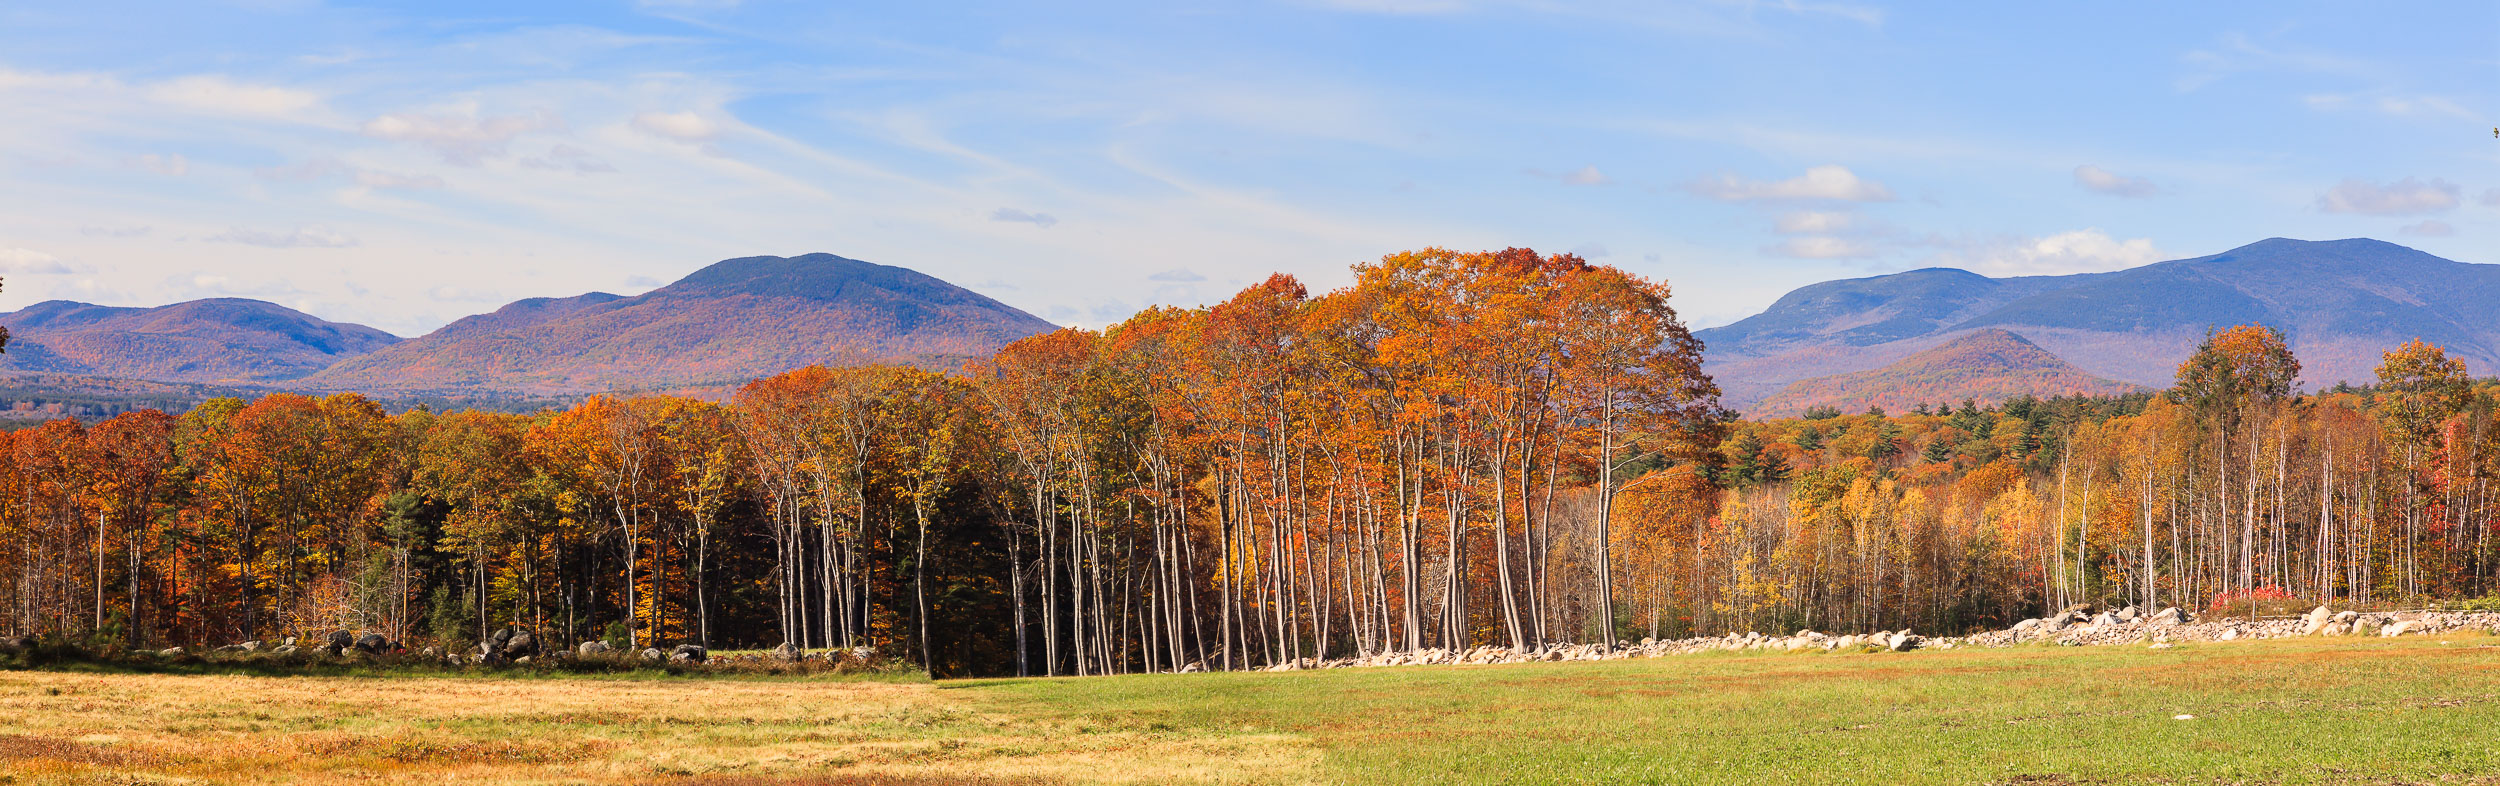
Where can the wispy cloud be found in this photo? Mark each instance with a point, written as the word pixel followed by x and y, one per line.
pixel 302 237
pixel 323 168
pixel 173 164
pixel 2392 105
pixel 2235 53
pixel 567 158
pixel 1821 247
pixel 680 126
pixel 461 136
pixel 1830 182
pixel 2431 227
pixel 1015 216
pixel 114 231
pixel 2080 251
pixel 1584 176
pixel 2405 197
pixel 215 93
pixel 27 261
pixel 1814 222
pixel 199 285
pixel 2102 181
pixel 1177 275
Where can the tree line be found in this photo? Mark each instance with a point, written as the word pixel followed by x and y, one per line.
pixel 1459 449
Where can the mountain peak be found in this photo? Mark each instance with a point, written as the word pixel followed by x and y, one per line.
pixel 224 340
pixel 1982 365
pixel 733 320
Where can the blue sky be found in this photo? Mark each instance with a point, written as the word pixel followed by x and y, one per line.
pixel 404 166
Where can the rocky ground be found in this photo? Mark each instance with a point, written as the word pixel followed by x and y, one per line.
pixel 2080 625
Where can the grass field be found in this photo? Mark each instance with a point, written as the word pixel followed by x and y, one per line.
pixel 2331 711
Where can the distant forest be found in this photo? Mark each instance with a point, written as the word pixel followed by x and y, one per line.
pixel 1459 449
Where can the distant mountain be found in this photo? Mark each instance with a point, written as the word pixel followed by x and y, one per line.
pixel 2342 303
pixel 221 341
pixel 1986 365
pixel 732 321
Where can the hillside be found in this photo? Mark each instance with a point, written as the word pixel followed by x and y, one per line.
pixel 2342 302
pixel 220 340
pixel 1987 365
pixel 734 320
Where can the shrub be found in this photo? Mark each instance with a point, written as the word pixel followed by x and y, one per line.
pixel 2266 601
pixel 2488 603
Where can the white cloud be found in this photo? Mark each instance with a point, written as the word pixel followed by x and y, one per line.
pixel 461 136
pixel 27 261
pixel 1178 275
pixel 218 94
pixel 1820 247
pixel 2401 198
pixel 2428 228
pixel 2079 251
pixel 1591 251
pixel 680 126
pixel 1813 222
pixel 1012 215
pixel 124 231
pixel 302 237
pixel 2490 198
pixel 1830 182
pixel 2098 180
pixel 171 164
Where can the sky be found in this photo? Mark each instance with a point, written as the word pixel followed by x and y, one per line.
pixel 404 165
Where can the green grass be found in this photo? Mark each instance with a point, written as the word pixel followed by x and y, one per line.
pixel 2344 710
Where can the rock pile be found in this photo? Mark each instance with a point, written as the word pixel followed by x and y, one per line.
pixel 2078 625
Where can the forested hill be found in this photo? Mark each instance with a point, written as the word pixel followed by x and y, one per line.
pixel 219 340
pixel 1988 364
pixel 732 321
pixel 2341 302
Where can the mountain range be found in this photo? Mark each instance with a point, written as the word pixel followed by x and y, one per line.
pixel 2340 302
pixel 1936 334
pixel 726 323
pixel 219 340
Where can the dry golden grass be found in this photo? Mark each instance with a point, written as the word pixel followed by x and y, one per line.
pixel 76 728
pixel 2417 709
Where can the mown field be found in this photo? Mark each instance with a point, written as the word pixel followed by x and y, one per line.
pixel 2308 711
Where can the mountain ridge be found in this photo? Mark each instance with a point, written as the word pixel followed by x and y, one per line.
pixel 212 340
pixel 2340 301
pixel 732 320
pixel 1989 364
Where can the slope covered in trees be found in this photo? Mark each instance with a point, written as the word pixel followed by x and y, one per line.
pixel 2341 302
pixel 732 321
pixel 1983 365
pixel 220 340
pixel 1457 450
